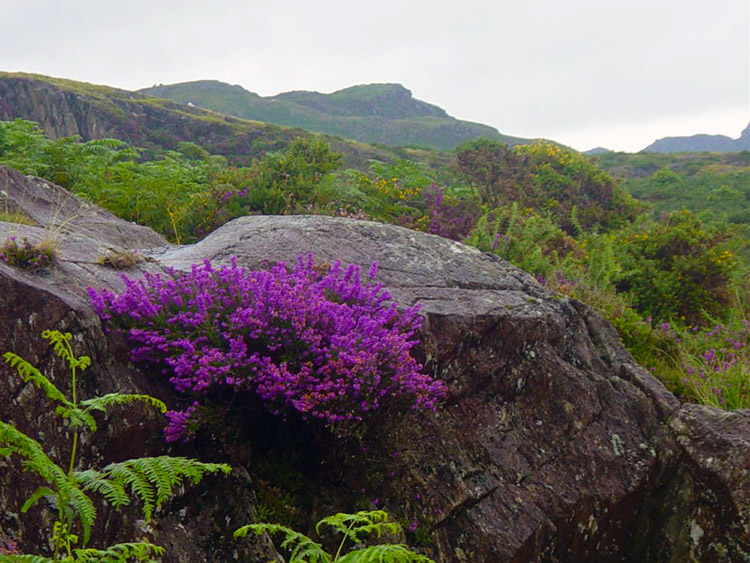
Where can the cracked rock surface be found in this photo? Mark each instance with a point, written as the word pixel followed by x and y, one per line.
pixel 553 445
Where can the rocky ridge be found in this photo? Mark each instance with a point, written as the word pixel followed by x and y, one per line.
pixel 552 446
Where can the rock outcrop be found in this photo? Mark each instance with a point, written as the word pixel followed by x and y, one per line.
pixel 552 446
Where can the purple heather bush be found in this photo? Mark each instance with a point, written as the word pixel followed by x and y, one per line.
pixel 316 340
pixel 450 217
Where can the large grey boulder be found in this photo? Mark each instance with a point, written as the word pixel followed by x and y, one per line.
pixel 553 445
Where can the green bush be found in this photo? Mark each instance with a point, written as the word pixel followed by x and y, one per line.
pixel 676 269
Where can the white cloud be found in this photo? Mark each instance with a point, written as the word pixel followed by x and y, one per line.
pixel 588 70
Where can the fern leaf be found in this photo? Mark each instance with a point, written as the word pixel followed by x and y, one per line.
pixel 84 508
pixel 127 476
pixel 35 460
pixel 102 403
pixel 121 552
pixel 61 345
pixel 29 373
pixel 77 417
pixel 65 488
pixel 153 479
pixel 41 492
pixel 355 526
pixel 386 553
pixel 112 491
pixel 298 544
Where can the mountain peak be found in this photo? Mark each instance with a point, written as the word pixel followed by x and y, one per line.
pixel 387 100
pixel 702 143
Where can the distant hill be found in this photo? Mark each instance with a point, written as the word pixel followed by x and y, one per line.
pixel 65 107
pixel 595 151
pixel 702 143
pixel 384 114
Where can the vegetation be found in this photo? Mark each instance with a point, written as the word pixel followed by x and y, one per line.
pixel 28 255
pixel 324 343
pixel 355 528
pixel 119 259
pixel 149 479
pixel 715 186
pixel 547 209
pixel 318 341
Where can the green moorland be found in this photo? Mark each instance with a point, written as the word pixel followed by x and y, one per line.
pixel 716 186
pixel 675 284
pixel 372 113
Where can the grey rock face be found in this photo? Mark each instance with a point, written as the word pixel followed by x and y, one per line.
pixel 552 446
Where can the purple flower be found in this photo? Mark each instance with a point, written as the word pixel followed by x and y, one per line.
pixel 321 342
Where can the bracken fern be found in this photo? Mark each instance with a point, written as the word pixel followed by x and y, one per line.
pixel 354 528
pixel 151 479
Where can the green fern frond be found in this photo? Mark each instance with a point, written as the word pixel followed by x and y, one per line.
pixel 35 460
pixel 85 509
pixel 29 373
pixel 77 417
pixel 41 492
pixel 126 476
pixel 102 403
pixel 365 522
pixel 297 543
pixel 61 345
pixel 119 553
pixel 112 491
pixel 385 553
pixel 153 479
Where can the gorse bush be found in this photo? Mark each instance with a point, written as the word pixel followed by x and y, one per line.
pixel 355 529
pixel 547 178
pixel 150 479
pixel 318 341
pixel 676 269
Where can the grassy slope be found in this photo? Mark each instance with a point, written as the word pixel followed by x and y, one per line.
pixel 374 113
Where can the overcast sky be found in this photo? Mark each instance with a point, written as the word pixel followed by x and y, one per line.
pixel 586 73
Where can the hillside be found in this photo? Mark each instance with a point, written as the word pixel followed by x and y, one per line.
pixel 702 143
pixel 65 108
pixel 384 114
pixel 716 185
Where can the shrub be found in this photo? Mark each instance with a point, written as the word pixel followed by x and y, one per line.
pixel 314 340
pixel 28 255
pixel 449 216
pixel 676 270
pixel 522 237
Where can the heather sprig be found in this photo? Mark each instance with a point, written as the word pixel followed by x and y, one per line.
pixel 28 255
pixel 319 341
